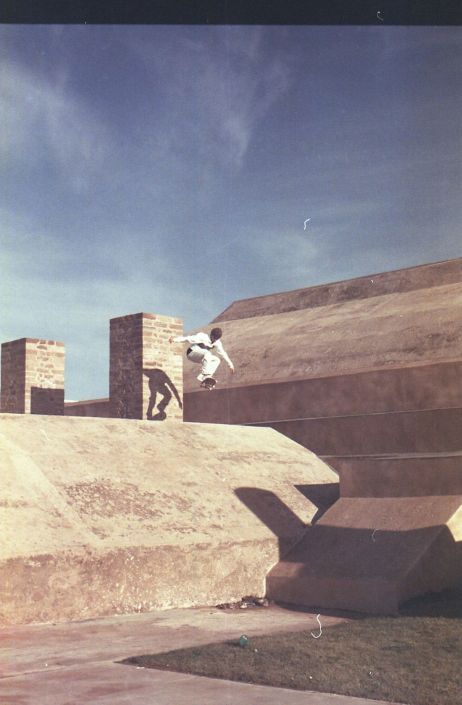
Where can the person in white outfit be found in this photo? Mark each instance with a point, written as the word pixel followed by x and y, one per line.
pixel 200 351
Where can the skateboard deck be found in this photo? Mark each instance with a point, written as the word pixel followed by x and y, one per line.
pixel 209 383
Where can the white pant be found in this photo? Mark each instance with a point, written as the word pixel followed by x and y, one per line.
pixel 209 361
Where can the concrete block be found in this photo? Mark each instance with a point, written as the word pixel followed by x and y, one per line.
pixel 372 554
pixel 111 516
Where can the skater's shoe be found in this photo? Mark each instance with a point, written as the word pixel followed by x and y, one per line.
pixel 209 383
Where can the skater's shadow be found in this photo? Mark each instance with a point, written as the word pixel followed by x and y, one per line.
pixel 160 383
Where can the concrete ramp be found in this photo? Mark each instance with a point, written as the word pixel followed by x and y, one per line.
pixel 395 532
pixel 106 516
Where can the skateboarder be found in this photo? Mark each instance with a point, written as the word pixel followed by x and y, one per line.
pixel 202 345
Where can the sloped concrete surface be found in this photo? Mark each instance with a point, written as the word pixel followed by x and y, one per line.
pixel 106 516
pixel 391 330
pixel 76 663
pixel 409 279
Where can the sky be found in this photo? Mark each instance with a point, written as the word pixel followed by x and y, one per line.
pixel 173 169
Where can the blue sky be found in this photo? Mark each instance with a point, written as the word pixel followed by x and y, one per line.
pixel 170 169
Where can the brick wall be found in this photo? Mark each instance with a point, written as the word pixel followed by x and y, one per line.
pixel 13 376
pixel 146 372
pixel 33 376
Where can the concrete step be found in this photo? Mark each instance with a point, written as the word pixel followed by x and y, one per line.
pixel 429 431
pixel 414 388
pixel 403 475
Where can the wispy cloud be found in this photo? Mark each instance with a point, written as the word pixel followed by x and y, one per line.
pixel 43 122
pixel 225 81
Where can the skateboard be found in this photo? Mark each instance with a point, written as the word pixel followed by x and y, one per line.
pixel 209 383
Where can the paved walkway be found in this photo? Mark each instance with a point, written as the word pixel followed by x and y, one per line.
pixel 76 663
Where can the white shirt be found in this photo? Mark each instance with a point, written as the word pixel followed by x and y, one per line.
pixel 204 338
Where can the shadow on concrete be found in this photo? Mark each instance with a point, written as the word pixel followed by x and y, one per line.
pixel 277 516
pixel 160 383
pixel 44 400
pixel 274 513
pixel 322 495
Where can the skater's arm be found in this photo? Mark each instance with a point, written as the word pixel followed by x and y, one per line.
pixel 175 392
pixel 197 338
pixel 218 346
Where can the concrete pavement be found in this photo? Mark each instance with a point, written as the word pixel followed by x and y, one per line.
pixel 76 663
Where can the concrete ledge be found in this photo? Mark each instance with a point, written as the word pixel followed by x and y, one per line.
pixel 431 431
pixel 433 386
pixel 399 476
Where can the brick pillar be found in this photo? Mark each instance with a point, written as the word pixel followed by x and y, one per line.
pixel 145 369
pixel 33 377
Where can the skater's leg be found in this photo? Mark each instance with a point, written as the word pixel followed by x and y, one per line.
pixel 199 356
pixel 209 365
pixel 196 355
pixel 209 362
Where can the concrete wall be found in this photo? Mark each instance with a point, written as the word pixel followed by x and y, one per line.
pixel 89 407
pixel 109 516
pixel 435 430
pixel 342 371
pixel 33 376
pixel 419 387
pixel 145 370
